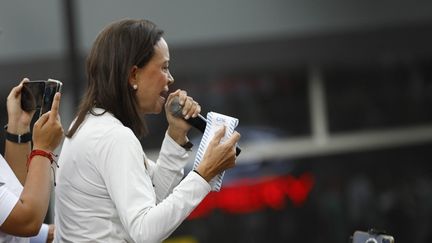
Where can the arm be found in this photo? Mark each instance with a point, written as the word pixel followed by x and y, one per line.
pixel 168 171
pixel 16 154
pixel 32 205
pixel 18 123
pixel 133 194
pixel 45 235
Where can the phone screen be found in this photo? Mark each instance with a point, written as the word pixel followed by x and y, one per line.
pixel 51 88
pixel 38 95
pixel 32 94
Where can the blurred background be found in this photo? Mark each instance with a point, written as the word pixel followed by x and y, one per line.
pixel 334 100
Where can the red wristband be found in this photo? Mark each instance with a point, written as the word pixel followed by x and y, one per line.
pixel 38 152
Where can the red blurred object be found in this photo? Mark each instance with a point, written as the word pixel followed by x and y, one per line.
pixel 251 195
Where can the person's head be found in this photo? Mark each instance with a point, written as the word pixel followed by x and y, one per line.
pixel 127 72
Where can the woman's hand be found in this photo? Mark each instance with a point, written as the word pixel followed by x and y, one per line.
pixel 218 156
pixel 178 127
pixel 50 237
pixel 18 120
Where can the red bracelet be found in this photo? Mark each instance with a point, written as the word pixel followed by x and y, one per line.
pixel 39 152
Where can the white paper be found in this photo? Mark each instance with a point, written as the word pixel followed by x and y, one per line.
pixel 214 122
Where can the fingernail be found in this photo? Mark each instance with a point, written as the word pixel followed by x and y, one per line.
pixel 186 117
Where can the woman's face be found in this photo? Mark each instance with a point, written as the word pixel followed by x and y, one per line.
pixel 152 80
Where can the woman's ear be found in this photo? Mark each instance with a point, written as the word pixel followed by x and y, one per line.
pixel 133 76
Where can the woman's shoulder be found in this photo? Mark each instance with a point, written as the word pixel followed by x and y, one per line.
pixel 120 132
pixel 103 127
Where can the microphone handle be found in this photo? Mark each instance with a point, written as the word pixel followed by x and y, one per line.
pixel 198 122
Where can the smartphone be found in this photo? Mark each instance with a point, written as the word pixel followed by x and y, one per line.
pixel 38 95
pixel 369 237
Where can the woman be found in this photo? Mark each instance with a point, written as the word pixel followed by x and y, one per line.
pixel 23 209
pixel 108 190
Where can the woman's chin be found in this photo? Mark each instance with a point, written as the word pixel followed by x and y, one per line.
pixel 155 111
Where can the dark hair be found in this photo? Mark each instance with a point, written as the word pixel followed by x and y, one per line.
pixel 119 47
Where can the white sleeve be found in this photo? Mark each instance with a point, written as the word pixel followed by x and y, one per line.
pixel 8 201
pixel 168 171
pixel 42 235
pixel 131 189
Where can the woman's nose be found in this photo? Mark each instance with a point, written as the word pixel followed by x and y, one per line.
pixel 170 78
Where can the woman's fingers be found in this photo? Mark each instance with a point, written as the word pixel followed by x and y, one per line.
pixel 54 114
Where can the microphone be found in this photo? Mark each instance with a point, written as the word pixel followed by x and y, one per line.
pixel 198 122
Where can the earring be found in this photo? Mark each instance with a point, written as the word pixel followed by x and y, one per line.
pixel 135 87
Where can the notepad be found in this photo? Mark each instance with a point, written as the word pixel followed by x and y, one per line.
pixel 214 122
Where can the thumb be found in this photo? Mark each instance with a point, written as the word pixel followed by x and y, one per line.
pixel 219 134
